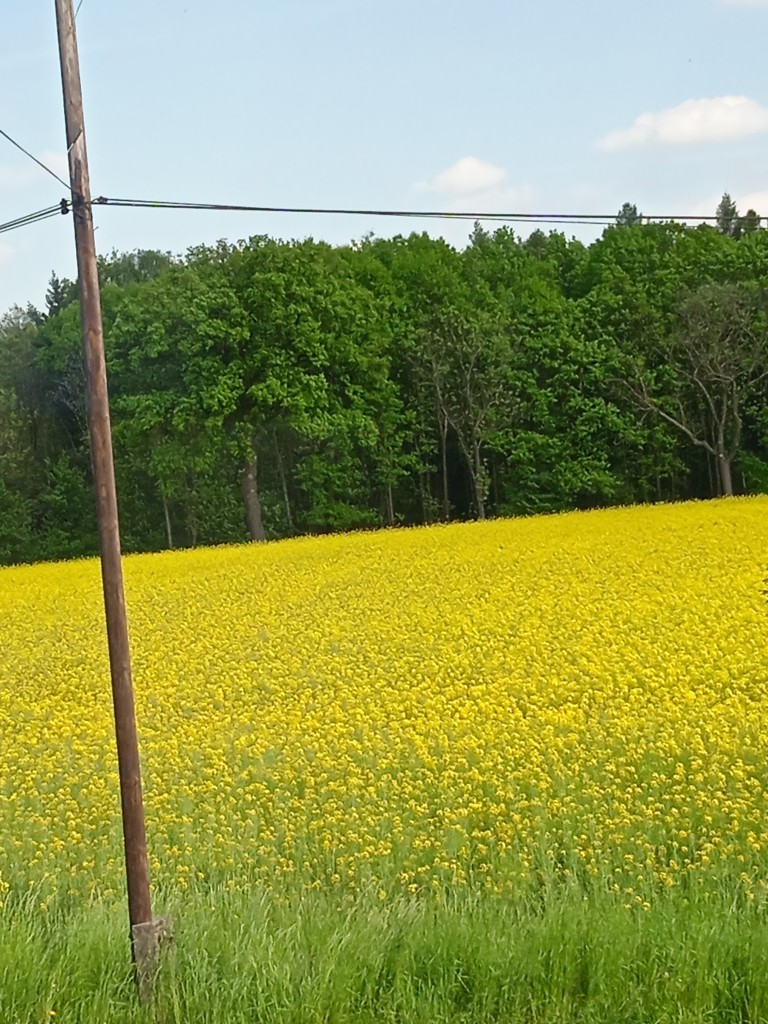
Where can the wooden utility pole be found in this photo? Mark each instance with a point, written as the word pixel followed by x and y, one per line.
pixel 144 930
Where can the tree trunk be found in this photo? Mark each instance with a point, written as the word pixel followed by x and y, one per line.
pixel 444 456
pixel 478 479
pixel 193 529
pixel 390 507
pixel 713 487
pixel 168 530
pixel 252 500
pixel 284 485
pixel 426 496
pixel 726 475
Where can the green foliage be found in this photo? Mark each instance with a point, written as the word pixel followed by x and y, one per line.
pixel 754 470
pixel 65 512
pixel 728 216
pixel 628 216
pixel 268 388
pixel 60 294
pixel 15 532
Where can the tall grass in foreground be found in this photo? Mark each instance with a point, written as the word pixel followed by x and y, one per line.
pixel 324 958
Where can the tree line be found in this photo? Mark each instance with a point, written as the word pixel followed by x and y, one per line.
pixel 269 388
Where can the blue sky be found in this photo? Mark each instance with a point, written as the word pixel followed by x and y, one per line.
pixel 545 106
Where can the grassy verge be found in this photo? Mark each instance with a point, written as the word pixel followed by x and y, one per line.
pixel 322 958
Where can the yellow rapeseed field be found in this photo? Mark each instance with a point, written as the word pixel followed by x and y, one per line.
pixel 575 700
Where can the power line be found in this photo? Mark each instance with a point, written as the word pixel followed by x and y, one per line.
pixel 589 219
pixel 151 204
pixel 550 218
pixel 34 158
pixel 597 219
pixel 35 218
pixel 445 214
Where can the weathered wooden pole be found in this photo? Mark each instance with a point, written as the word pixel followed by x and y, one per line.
pixel 144 930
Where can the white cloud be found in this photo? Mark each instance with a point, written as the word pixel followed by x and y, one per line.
pixel 6 254
pixel 468 176
pixel 725 117
pixel 475 186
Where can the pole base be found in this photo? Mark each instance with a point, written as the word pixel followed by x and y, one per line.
pixel 147 939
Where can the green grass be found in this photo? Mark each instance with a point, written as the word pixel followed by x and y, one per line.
pixel 322 958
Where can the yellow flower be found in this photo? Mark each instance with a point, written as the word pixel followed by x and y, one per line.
pixel 502 706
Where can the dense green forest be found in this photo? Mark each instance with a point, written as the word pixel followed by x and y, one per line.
pixel 270 388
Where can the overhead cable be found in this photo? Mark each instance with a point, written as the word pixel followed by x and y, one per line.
pixel 34 218
pixel 162 204
pixel 598 219
pixel 39 163
pixel 588 219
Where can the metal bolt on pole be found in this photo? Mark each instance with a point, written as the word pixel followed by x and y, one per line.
pixel 145 931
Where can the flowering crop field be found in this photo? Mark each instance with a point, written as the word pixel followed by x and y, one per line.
pixel 506 771
pixel 507 707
